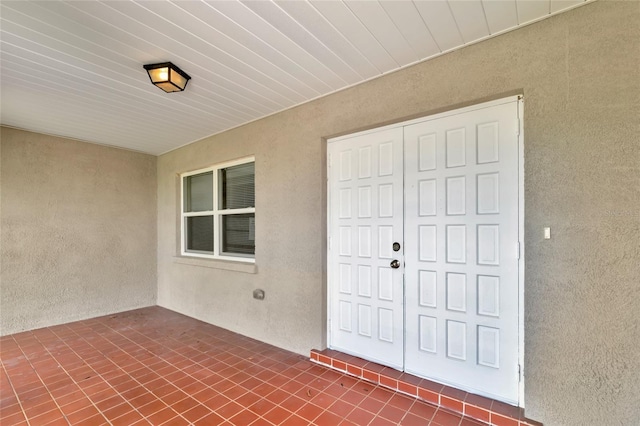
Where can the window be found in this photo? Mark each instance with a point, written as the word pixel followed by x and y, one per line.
pixel 218 211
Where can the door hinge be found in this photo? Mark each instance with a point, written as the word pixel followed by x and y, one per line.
pixel 519 373
pixel 518 250
pixel 517 127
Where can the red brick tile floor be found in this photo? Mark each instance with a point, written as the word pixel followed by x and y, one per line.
pixel 153 366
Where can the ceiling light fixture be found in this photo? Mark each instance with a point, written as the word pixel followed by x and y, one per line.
pixel 167 76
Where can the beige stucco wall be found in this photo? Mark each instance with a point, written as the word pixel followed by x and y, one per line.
pixel 78 230
pixel 580 75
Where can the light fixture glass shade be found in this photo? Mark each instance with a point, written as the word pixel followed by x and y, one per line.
pixel 167 76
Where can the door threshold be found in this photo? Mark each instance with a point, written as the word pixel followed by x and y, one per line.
pixel 478 407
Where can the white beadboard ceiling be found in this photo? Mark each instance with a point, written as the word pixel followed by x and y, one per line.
pixel 74 68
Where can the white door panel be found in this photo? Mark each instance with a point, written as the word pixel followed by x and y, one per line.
pixel 461 234
pixel 365 219
pixel 446 189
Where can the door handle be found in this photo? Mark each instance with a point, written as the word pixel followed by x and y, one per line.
pixel 395 264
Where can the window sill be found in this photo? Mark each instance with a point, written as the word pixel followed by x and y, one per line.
pixel 229 265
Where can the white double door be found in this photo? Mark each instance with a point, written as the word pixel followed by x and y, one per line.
pixel 423 247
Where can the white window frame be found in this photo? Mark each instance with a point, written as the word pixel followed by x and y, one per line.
pixel 216 213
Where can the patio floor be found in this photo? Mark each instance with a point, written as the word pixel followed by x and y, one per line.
pixel 154 366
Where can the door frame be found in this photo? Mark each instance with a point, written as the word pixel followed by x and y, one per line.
pixel 521 241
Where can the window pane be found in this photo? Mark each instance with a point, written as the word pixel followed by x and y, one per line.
pixel 199 230
pixel 237 186
pixel 238 233
pixel 198 192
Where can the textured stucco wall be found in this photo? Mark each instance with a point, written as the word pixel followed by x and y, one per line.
pixel 580 75
pixel 78 230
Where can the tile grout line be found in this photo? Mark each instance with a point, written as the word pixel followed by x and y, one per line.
pixel 372 376
pixel 176 352
pixel 145 365
pixel 82 389
pixel 35 371
pixel 396 389
pixel 162 359
pixel 24 413
pixel 109 421
pixel 126 358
